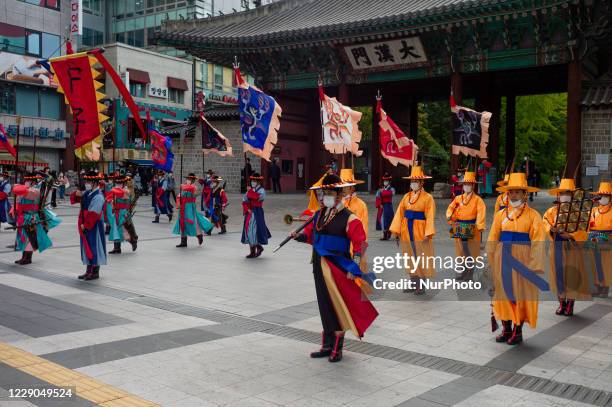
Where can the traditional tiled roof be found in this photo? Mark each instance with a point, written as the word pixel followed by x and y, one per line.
pixel 597 94
pixel 287 20
pixel 221 112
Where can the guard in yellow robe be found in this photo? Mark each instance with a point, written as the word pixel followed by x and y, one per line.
pixel 502 199
pixel 567 276
pixel 467 216
pixel 413 224
pixel 352 201
pixel 516 255
pixel 600 237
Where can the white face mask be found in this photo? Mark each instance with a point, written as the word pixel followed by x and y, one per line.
pixel 253 184
pixel 467 188
pixel 329 201
pixel 386 183
pixel 565 198
pixel 516 204
pixel 415 186
pixel 604 200
pixel 88 187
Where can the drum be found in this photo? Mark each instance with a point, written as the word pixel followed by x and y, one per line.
pixel 462 230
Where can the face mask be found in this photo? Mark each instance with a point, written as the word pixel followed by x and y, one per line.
pixel 253 184
pixel 565 198
pixel 467 189
pixel 88 187
pixel 329 201
pixel 386 183
pixel 415 186
pixel 516 204
pixel 604 200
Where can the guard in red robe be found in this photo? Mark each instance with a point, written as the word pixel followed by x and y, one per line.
pixel 339 281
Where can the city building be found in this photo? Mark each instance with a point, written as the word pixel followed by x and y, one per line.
pixel 31 30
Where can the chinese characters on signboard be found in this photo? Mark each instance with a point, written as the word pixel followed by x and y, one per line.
pixel 404 51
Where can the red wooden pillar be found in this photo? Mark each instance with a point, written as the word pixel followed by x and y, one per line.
pixel 457 88
pixel 573 140
pixel 377 159
pixel 510 130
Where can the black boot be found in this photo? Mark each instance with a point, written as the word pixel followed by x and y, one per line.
pixel 385 235
pixel 223 230
pixel 460 276
pixel 506 332
pixel 156 220
pixel 107 229
pixel 415 284
pixel 94 275
pixel 134 244
pixel 468 274
pixel 517 335
pixel 169 218
pixel 26 258
pixel 87 273
pixel 116 248
pixel 133 236
pixel 258 250
pixel 200 239
pixel 326 346
pixel 252 254
pixel 336 352
pixel 569 308
pixel 561 309
pixel 183 242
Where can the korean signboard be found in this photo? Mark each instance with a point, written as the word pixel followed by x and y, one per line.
pixel 403 51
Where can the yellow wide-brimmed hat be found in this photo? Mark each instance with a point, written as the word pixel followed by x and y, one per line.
pixel 416 172
pixel 347 176
pixel 566 185
pixel 504 181
pixel 605 188
pixel 469 178
pixel 517 180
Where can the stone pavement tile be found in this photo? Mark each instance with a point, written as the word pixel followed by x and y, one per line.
pixel 221 396
pixel 280 396
pixel 496 396
pixel 193 401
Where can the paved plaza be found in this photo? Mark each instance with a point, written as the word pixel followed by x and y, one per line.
pixel 204 326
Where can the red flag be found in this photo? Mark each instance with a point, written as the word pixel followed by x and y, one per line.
pixel 395 146
pixel 4 142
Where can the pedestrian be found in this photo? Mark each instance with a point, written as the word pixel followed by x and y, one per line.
pixel 33 220
pixel 384 206
pixel 467 216
pixel 90 225
pixel 5 202
pixel 600 233
pixel 516 254
pixel 340 283
pixel 190 221
pixel 138 183
pixel 205 194
pixel 255 233
pixel 413 225
pixel 161 198
pixel 106 184
pixel 121 220
pixel 63 185
pixel 54 185
pixel 567 278
pixel 275 176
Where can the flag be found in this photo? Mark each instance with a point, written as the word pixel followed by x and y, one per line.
pixel 470 130
pixel 213 140
pixel 394 145
pixel 341 132
pixel 77 81
pixel 161 150
pixel 4 142
pixel 259 118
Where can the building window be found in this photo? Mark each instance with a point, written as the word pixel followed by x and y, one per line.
pixel 50 45
pixel 137 89
pixel 12 38
pixel 7 98
pixel 92 7
pixel 91 38
pixel 176 95
pixel 218 77
pixel 32 42
pixel 54 4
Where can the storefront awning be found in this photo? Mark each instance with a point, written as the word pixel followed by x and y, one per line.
pixel 139 76
pixel 176 83
pixel 24 160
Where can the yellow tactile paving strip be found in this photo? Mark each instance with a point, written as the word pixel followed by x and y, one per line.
pixel 87 388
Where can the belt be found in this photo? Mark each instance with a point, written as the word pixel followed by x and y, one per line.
pixel 329 246
pixel 411 216
pixel 511 264
pixel 188 200
pixel 597 254
pixel 27 208
pixel 464 242
pixel 255 204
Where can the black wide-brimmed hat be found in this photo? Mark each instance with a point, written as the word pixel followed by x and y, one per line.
pixel 92 175
pixel 191 176
pixel 256 177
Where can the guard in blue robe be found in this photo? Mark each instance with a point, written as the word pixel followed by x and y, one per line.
pixel 5 202
pixel 384 206
pixel 90 226
pixel 161 198
pixel 255 233
pixel 122 227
